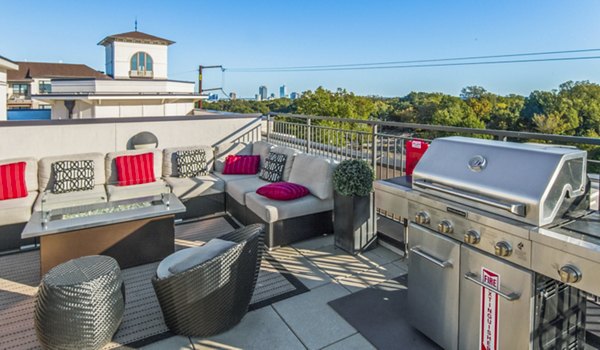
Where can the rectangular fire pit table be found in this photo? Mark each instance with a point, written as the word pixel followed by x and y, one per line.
pixel 134 232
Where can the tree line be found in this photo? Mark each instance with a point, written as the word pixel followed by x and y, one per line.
pixel 572 109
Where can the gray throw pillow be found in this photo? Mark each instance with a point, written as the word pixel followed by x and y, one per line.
pixel 191 163
pixel 211 249
pixel 73 176
pixel 273 168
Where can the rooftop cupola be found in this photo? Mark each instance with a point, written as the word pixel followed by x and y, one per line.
pixel 136 55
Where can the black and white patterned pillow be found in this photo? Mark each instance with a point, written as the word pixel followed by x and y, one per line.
pixel 73 176
pixel 191 163
pixel 273 168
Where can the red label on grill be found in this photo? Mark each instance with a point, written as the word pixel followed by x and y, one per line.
pixel 488 335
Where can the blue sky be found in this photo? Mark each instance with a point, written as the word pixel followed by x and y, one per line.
pixel 291 33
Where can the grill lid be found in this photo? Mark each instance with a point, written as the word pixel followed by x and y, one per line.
pixel 529 182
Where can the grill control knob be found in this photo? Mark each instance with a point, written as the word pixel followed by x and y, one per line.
pixel 422 218
pixel 570 274
pixel 445 226
pixel 472 237
pixel 503 249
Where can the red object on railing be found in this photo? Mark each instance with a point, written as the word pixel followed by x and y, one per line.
pixel 414 151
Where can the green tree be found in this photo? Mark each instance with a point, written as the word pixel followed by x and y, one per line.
pixel 341 104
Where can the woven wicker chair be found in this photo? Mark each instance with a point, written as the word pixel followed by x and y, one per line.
pixel 214 296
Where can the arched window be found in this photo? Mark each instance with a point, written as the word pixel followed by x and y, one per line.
pixel 141 65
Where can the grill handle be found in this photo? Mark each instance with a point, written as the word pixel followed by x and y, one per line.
pixel 515 208
pixel 440 263
pixel 510 296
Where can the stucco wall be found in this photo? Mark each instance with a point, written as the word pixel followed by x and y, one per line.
pixel 56 138
pixel 124 51
pixel 122 109
pixel 121 86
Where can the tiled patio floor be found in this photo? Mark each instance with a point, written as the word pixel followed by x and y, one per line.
pixel 306 321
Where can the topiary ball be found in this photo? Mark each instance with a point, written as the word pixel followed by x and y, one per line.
pixel 353 178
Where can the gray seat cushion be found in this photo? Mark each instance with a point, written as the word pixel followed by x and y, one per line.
pixel 70 199
pixel 238 189
pixel 186 259
pixel 18 210
pixel 229 178
pixel 271 210
pixel 117 193
pixel 190 187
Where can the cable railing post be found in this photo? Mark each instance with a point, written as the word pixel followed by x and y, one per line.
pixel 308 135
pixel 269 127
pixel 374 148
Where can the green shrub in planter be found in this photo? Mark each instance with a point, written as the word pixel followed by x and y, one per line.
pixel 353 223
pixel 353 178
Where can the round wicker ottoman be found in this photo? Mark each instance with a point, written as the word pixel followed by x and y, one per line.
pixel 80 304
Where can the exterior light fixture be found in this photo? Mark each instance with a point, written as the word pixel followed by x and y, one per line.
pixel 144 140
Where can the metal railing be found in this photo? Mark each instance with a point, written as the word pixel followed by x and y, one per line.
pixel 253 134
pixel 382 143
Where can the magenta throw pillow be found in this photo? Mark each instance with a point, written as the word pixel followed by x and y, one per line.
pixel 283 191
pixel 241 165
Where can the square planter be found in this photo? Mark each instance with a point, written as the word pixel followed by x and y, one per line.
pixel 354 222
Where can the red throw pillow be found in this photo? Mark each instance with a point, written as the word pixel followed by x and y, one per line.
pixel 241 165
pixel 136 169
pixel 283 191
pixel 12 181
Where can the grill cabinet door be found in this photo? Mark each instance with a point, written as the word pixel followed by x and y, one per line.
pixel 433 277
pixel 505 317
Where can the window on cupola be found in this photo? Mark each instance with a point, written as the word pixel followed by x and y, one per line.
pixel 141 65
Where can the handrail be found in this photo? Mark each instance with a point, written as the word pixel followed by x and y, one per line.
pixel 498 133
pixel 439 263
pixel 508 295
pixel 514 208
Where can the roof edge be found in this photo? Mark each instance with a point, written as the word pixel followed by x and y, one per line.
pixel 142 38
pixel 5 62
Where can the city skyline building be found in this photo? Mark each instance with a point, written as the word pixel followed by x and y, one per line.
pixel 283 91
pixel 263 93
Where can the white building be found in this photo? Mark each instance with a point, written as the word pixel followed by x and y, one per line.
pixel 5 66
pixel 137 84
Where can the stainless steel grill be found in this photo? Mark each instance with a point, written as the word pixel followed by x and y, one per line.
pixel 531 183
pixel 503 220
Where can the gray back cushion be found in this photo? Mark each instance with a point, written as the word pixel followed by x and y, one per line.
pixel 169 168
pixel 291 155
pixel 111 166
pixel 224 149
pixel 314 173
pixel 46 175
pixel 262 149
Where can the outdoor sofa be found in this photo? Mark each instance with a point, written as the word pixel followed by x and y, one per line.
pixel 214 192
